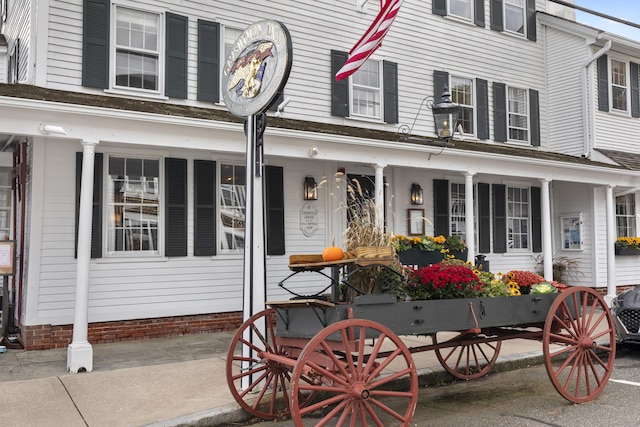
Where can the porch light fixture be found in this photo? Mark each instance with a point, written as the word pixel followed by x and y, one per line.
pixel 310 189
pixel 416 194
pixel 445 116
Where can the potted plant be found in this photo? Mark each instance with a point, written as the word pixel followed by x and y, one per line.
pixel 627 246
pixel 426 250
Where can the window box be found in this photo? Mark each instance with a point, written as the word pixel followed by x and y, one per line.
pixel 627 251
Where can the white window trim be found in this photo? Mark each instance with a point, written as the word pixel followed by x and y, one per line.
pixel 634 215
pixel 627 71
pixel 474 103
pixel 218 195
pixel 223 55
pixel 524 16
pixel 159 93
pixel 470 20
pixel 528 116
pixel 362 117
pixel 529 249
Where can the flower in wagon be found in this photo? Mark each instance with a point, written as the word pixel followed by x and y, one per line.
pixel 445 280
pixel 428 243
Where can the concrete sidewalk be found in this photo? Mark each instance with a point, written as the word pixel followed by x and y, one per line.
pixel 161 382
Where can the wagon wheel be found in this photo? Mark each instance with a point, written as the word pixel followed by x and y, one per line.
pixel 365 375
pixel 580 323
pixel 467 359
pixel 260 385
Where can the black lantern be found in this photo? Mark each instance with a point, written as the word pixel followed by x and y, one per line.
pixel 416 194
pixel 310 189
pixel 445 115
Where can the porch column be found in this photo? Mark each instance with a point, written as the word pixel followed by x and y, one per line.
pixel 611 241
pixel 547 246
pixel 469 219
pixel 379 195
pixel 80 352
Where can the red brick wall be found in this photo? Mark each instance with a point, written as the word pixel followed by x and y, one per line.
pixel 42 337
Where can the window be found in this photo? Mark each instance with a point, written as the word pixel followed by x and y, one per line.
pixel 626 215
pixel 230 37
pixel 462 93
pixel 618 85
pixel 5 204
pixel 137 49
pixel 514 16
pixel 458 211
pixel 232 207
pixel 518 114
pixel 133 205
pixel 461 9
pixel 517 218
pixel 366 90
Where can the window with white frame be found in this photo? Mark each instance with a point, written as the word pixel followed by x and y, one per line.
pixel 518 110
pixel 233 196
pixel 230 37
pixel 518 223
pixel 619 83
pixel 515 16
pixel 5 203
pixel 461 9
pixel 133 205
pixel 366 91
pixel 458 211
pixel 626 215
pixel 462 93
pixel 137 49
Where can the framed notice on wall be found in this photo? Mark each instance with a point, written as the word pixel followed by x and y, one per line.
pixel 416 222
pixel 7 257
pixel 571 226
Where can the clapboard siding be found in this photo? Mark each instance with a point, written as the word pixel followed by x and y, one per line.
pixel 20 27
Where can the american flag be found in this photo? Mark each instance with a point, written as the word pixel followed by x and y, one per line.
pixel 372 39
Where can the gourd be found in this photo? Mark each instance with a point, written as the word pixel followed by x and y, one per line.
pixel 332 253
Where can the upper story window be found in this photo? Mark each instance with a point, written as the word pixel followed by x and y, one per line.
pixel 514 16
pixel 233 197
pixel 461 9
pixel 462 92
pixel 366 90
pixel 626 215
pixel 518 224
pixel 619 84
pixel 518 123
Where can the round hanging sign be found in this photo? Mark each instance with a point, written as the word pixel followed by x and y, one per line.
pixel 257 68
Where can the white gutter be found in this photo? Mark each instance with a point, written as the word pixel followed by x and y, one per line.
pixel 588 109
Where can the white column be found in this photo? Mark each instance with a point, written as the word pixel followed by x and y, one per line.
pixel 547 246
pixel 469 219
pixel 379 183
pixel 80 352
pixel 611 241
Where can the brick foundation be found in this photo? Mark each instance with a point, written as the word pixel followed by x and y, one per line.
pixel 42 337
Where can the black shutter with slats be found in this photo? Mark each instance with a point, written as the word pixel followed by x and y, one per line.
pixel 479 13
pixel 531 20
pixel 482 89
pixel 439 7
pixel 274 205
pixel 534 108
pixel 536 220
pixel 484 219
pixel 635 89
pixel 440 207
pixel 175 207
pixel 208 61
pixel 603 83
pixel 499 112
pixel 440 79
pixel 499 218
pixel 390 86
pixel 95 43
pixel 204 195
pixel 339 89
pixel 96 213
pixel 176 63
pixel 497 20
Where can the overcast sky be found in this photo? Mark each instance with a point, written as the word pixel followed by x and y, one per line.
pixel 629 10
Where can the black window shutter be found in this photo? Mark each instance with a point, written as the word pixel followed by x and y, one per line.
pixel 499 218
pixel 440 80
pixel 497 21
pixel 499 112
pixel 95 43
pixel 482 89
pixel 484 219
pixel 96 213
pixel 439 7
pixel 175 207
pixel 603 83
pixel 536 220
pixel 176 64
pixel 531 20
pixel 390 83
pixel 635 90
pixel 274 202
pixel 440 207
pixel 339 89
pixel 205 220
pixel 534 108
pixel 208 61
pixel 479 13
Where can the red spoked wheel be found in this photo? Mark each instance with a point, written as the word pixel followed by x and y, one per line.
pixel 468 357
pixel 259 384
pixel 579 344
pixel 363 372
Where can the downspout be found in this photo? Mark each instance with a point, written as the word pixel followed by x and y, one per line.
pixel 588 126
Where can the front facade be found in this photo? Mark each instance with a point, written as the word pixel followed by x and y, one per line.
pixel 139 85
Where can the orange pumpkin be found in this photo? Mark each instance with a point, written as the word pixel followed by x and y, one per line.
pixel 332 253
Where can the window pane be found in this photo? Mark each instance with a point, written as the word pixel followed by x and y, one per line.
pixel 517 218
pixel 232 206
pixel 518 114
pixel 619 85
pixel 137 54
pixel 366 90
pixel 462 93
pixel 514 15
pixel 626 215
pixel 460 8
